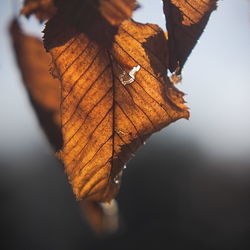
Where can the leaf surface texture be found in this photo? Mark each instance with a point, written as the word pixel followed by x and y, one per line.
pixel 106 113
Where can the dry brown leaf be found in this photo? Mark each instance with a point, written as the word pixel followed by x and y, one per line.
pixel 186 20
pixel 107 113
pixel 43 9
pixel 44 91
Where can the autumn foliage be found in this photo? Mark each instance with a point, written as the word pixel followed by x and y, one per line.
pixel 110 89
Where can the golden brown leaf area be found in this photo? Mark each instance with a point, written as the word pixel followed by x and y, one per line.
pixel 114 95
pixel 186 20
pixel 45 95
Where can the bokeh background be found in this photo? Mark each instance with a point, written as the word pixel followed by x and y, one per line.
pixel 187 188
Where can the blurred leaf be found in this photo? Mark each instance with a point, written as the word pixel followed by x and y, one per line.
pixel 44 91
pixel 103 217
pixel 115 93
pixel 186 20
pixel 43 9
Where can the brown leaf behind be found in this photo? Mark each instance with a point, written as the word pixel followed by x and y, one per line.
pixel 116 11
pixel 42 9
pixel 186 20
pixel 104 120
pixel 44 91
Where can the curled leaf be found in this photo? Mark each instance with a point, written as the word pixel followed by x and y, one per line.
pixel 114 95
pixel 186 20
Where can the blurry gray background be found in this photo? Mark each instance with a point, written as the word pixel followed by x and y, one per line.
pixel 188 188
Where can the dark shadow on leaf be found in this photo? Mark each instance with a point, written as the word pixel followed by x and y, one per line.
pixel 76 17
